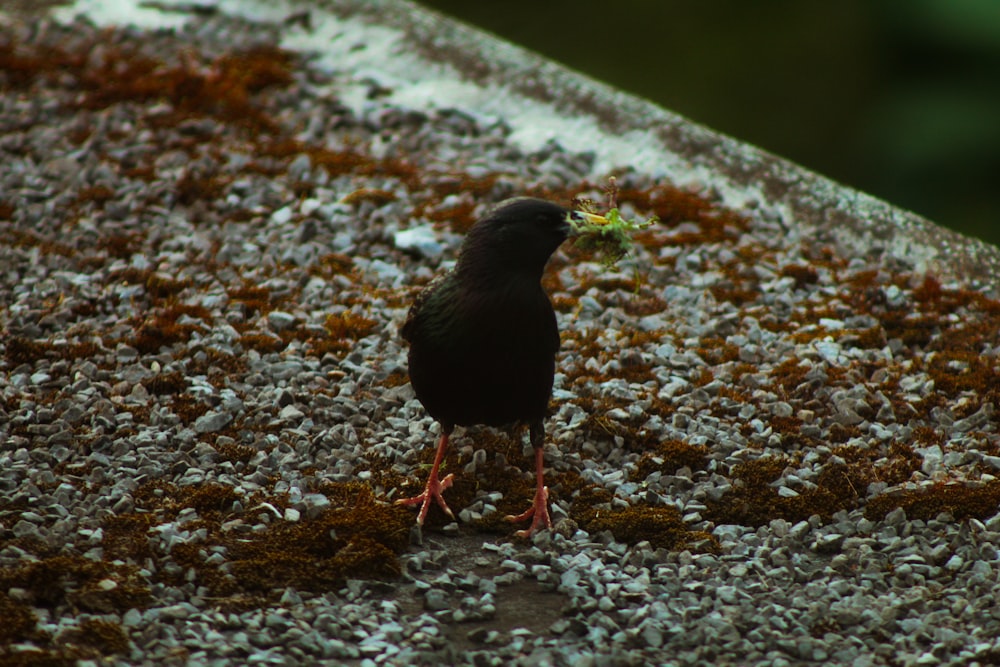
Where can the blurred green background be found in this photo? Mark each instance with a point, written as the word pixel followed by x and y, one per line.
pixel 898 98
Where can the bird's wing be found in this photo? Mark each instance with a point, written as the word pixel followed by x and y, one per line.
pixel 406 331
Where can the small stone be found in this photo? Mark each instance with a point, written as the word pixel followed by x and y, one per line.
pixel 282 215
pixel 955 563
pixel 291 413
pixel 279 320
pixel 132 618
pixel 435 600
pixel 421 240
pixel 652 635
pixel 212 421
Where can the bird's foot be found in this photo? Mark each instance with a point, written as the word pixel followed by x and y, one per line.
pixel 431 492
pixel 538 512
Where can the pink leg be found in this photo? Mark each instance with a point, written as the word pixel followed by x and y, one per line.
pixel 540 507
pixel 434 486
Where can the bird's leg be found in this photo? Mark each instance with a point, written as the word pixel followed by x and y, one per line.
pixel 434 486
pixel 539 510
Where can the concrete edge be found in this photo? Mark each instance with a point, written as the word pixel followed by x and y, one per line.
pixel 862 222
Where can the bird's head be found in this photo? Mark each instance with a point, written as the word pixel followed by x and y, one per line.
pixel 517 236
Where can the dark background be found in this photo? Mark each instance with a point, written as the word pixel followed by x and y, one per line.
pixel 898 98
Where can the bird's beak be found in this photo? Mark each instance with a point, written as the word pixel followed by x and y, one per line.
pixel 579 221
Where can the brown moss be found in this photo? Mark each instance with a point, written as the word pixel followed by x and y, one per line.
pixel 346 327
pixel 71 579
pixel 95 194
pixel 896 467
pixel 236 452
pixel 104 637
pixel 161 287
pixel 19 623
pixel 961 501
pixel 396 378
pixel 142 172
pixel 126 536
pixel 22 64
pixel 217 364
pixel 166 383
pixel 641 305
pixel 936 298
pixel 373 195
pixel 340 162
pixel 913 330
pixel 193 187
pixel 129 275
pixel 928 436
pixel 753 502
pixel 703 377
pixel 208 499
pixel 840 485
pixel 715 350
pixel 240 215
pixel 162 329
pixel 477 187
pixel 955 371
pixel 735 294
pixel 871 338
pixel 263 343
pixel 673 206
pixel 790 374
pixel 838 433
pixel 663 527
pixel 336 264
pixel 254 297
pixel 597 426
pixel 459 216
pixel 222 88
pixel 356 537
pixel 20 350
pixel 670 456
pixel 803 274
pixel 187 408
pixel 790 429
pixel 21 239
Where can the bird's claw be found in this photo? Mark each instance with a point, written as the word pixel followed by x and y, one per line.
pixel 538 512
pixel 431 491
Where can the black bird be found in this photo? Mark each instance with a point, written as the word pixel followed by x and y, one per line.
pixel 483 337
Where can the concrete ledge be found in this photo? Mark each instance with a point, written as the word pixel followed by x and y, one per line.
pixel 418 49
pixel 663 142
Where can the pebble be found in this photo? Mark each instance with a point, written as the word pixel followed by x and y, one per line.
pixel 421 239
pixel 212 421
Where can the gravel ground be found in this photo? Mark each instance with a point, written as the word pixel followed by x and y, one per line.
pixel 762 449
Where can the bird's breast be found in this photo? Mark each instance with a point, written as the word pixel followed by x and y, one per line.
pixel 486 356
